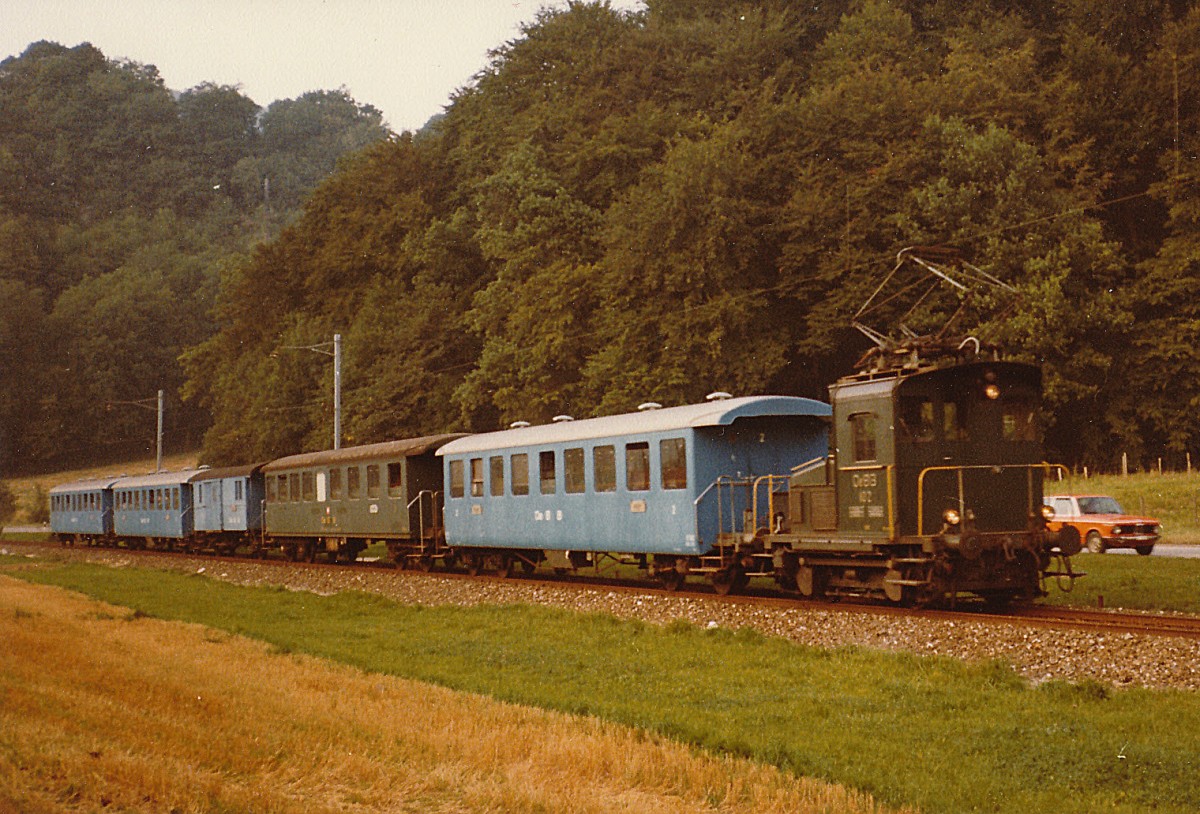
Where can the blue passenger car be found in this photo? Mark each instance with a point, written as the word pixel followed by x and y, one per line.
pixel 228 507
pixel 154 509
pixel 82 511
pixel 642 483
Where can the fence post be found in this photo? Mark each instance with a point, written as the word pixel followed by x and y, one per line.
pixel 1125 464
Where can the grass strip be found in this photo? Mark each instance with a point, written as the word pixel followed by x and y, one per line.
pixel 930 732
pixel 1128 581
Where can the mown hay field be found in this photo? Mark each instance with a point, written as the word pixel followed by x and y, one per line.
pixel 103 708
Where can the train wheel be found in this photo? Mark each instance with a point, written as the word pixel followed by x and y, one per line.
pixel 671 580
pixel 811 582
pixel 425 563
pixel 1094 543
pixel 729 580
pixel 473 563
pixel 505 565
pixel 528 566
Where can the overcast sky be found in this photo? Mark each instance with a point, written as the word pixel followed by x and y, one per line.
pixel 405 57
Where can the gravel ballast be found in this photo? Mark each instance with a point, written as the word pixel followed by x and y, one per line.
pixel 1038 654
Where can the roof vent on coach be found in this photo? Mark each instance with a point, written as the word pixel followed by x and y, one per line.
pixel 648 406
pixel 562 419
pixel 518 425
pixel 719 395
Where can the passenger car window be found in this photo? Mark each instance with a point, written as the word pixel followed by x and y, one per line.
pixel 373 481
pixel 353 483
pixel 496 465
pixel 477 477
pixel 335 484
pixel 672 454
pixel 546 473
pixel 457 481
pixel 308 486
pixel 637 467
pixel 395 473
pixel 604 468
pixel 294 487
pixel 573 481
pixel 520 473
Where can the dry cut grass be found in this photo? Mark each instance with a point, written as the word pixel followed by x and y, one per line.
pixel 102 709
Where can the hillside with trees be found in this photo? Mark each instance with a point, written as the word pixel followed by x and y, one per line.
pixel 120 203
pixel 625 207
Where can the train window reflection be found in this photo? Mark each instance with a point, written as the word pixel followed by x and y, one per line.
pixel 637 467
pixel 862 435
pixel 954 422
pixel 916 419
pixel 573 470
pixel 1019 421
pixel 604 468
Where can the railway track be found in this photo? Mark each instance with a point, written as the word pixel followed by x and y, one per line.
pixel 1041 616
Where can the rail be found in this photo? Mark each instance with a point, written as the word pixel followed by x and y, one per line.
pixel 961 496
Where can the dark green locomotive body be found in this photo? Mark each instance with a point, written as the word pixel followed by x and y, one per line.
pixel 932 488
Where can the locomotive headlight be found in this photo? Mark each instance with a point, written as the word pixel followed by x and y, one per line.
pixel 992 391
pixel 1048 512
pixel 951 517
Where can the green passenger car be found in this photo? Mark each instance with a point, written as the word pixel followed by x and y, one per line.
pixel 340 501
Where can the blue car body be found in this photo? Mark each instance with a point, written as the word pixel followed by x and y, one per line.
pixel 636 483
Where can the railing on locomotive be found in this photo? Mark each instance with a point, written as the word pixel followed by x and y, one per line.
pixel 959 470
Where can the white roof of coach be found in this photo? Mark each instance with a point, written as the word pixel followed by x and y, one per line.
pixel 709 414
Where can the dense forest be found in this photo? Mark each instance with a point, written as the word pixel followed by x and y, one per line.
pixel 623 207
pixel 120 204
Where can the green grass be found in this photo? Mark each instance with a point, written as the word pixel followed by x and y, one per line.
pixel 930 732
pixel 1137 583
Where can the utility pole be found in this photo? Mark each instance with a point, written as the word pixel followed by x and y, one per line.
pixel 337 391
pixel 158 444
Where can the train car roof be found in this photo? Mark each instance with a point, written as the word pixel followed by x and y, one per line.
pixel 366 452
pixel 665 419
pixel 89 485
pixel 156 479
pixel 226 472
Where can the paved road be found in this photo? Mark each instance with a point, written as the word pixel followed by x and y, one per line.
pixel 1160 550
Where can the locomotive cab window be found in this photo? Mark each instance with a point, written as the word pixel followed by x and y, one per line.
pixel 1020 420
pixel 457 480
pixel 862 436
pixel 916 419
pixel 637 467
pixel 954 421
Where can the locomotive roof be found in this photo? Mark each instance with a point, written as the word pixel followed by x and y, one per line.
pixel 156 479
pixel 366 452
pixel 226 472
pixel 89 485
pixel 665 419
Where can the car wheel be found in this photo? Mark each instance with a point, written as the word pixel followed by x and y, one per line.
pixel 1094 543
pixel 1144 550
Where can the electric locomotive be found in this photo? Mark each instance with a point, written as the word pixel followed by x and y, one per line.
pixel 932 487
